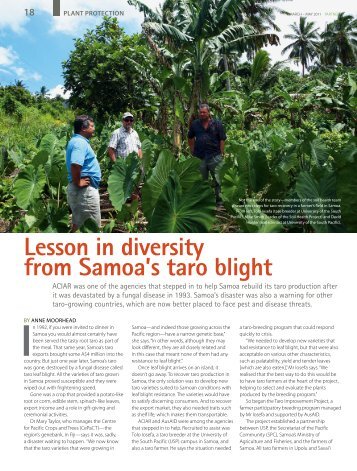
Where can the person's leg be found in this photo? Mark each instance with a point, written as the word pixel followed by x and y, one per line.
pixel 72 199
pixel 212 164
pixel 85 204
pixel 93 205
pixel 204 169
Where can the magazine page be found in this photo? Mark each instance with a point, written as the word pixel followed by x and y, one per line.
pixel 247 357
pixel 178 192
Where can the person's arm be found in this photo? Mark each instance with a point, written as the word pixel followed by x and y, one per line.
pixel 76 176
pixel 191 143
pixel 222 138
pixel 111 153
pixel 191 139
pixel 112 146
pixel 221 146
pixel 138 143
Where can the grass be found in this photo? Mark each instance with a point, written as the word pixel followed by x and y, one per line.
pixel 33 124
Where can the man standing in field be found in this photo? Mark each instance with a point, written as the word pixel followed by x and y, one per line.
pixel 206 138
pixel 124 140
pixel 83 174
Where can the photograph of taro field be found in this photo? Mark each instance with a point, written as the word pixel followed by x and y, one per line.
pixel 290 157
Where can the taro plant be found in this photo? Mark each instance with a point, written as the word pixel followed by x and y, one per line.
pixel 123 180
pixel 39 187
pixel 300 176
pixel 174 196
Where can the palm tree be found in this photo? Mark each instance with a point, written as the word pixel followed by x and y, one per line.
pixel 263 75
pixel 44 91
pixel 260 15
pixel 196 31
pixel 339 41
pixel 42 94
pixel 305 45
pixel 19 84
pixel 259 85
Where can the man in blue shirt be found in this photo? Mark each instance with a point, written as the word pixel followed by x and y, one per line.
pixel 206 138
pixel 83 174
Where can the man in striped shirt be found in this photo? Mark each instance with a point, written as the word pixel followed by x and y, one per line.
pixel 124 140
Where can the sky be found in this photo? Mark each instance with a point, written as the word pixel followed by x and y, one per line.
pixel 32 48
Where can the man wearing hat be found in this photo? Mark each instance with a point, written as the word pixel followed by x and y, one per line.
pixel 124 140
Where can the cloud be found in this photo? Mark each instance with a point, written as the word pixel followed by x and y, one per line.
pixel 13 17
pixel 7 56
pixel 58 90
pixel 36 76
pixel 9 61
pixel 19 71
pixel 23 74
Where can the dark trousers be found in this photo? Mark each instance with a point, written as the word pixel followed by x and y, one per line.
pixel 208 166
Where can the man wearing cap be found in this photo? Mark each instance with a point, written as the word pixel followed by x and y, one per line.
pixel 124 140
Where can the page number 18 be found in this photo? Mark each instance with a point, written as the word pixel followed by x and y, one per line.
pixel 29 11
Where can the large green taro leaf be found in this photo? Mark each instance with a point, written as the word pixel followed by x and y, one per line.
pixel 52 156
pixel 148 155
pixel 29 186
pixel 49 143
pixel 89 226
pixel 233 177
pixel 123 179
pixel 316 149
pixel 259 170
pixel 153 186
pixel 40 158
pixel 17 158
pixel 289 160
pixel 233 185
pixel 56 169
pixel 319 151
pixel 178 211
pixel 189 172
pixel 57 219
pixel 49 217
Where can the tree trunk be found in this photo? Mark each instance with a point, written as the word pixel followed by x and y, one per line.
pixel 177 136
pixel 226 69
pixel 162 118
pixel 292 119
pixel 176 129
pixel 195 100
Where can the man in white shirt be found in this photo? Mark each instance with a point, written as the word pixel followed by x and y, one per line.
pixel 124 140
